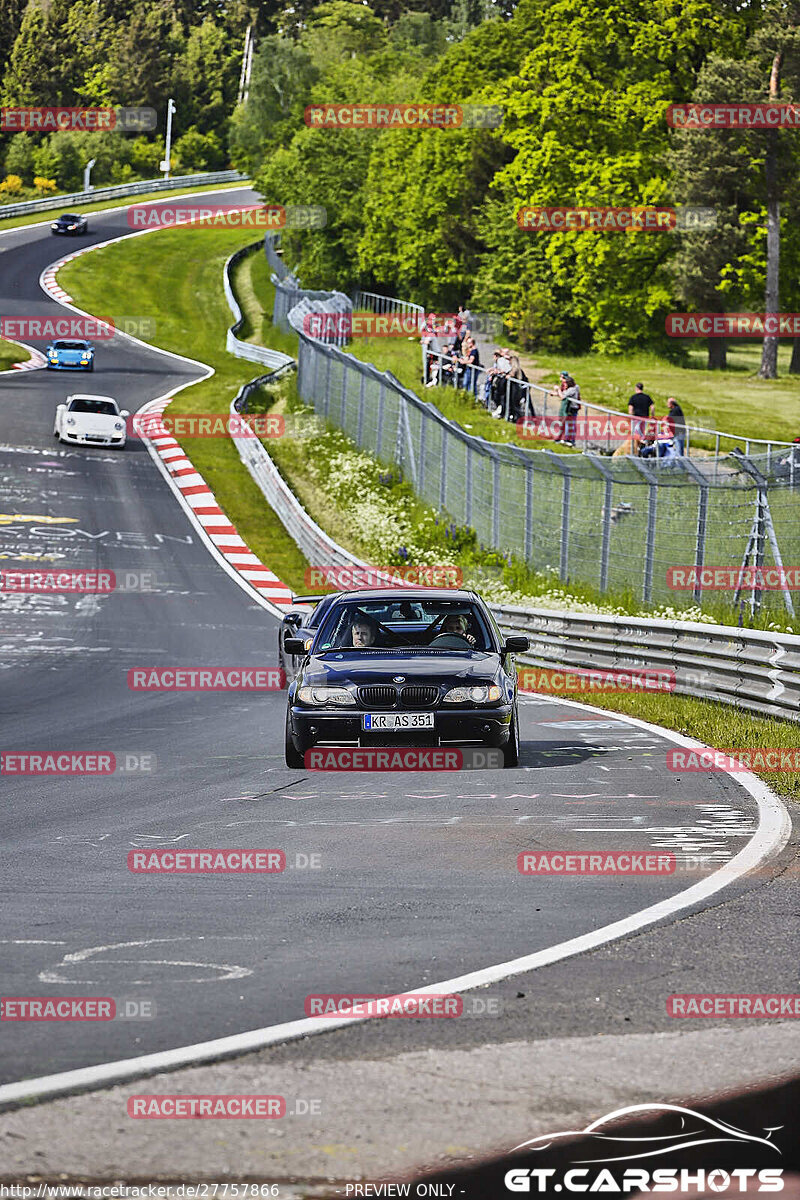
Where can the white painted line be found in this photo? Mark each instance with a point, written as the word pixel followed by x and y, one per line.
pixel 774 828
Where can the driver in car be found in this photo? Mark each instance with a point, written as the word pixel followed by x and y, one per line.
pixel 458 624
pixel 363 632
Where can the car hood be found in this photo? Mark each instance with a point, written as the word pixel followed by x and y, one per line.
pixel 92 423
pixel 421 667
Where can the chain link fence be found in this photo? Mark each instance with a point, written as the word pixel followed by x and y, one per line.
pixel 613 523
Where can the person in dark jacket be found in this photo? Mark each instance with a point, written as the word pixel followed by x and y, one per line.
pixel 676 423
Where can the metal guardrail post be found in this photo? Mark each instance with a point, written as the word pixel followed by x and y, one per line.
pixel 529 476
pixel 563 566
pixel 605 538
pixel 495 497
pixel 650 540
pixel 327 397
pixel 443 477
pixel 315 359
pixel 381 410
pixel 362 397
pixel 702 522
pixel 467 481
pixel 343 410
pixel 421 468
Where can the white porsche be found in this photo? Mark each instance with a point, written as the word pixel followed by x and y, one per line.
pixel 91 421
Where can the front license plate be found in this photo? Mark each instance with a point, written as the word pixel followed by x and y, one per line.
pixel 373 721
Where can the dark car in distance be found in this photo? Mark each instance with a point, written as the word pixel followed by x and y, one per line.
pixel 70 223
pixel 421 666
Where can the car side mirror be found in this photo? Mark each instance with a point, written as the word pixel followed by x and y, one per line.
pixel 516 644
pixel 60 407
pixel 294 645
pixel 123 412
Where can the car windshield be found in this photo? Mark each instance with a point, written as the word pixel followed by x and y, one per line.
pixel 417 622
pixel 70 346
pixel 103 408
pixel 70 217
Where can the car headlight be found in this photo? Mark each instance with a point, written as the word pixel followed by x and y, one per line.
pixel 54 224
pixel 480 694
pixel 325 695
pixel 70 420
pixel 119 425
pixel 72 227
pixel 85 358
pixel 53 356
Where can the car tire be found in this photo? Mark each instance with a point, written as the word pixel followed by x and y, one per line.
pixel 90 367
pixel 511 748
pixel 294 759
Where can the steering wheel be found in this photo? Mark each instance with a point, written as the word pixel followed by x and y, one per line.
pixel 450 641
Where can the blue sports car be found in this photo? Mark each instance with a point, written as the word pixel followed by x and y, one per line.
pixel 70 356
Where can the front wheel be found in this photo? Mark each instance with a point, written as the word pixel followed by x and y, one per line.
pixel 511 748
pixel 294 759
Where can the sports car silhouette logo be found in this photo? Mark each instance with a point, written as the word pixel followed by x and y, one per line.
pixel 609 1141
pixel 690 1129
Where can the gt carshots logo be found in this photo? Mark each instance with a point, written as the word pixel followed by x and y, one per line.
pixel 608 1141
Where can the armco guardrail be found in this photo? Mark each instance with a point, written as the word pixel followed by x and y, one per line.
pixel 748 668
pixel 119 191
pixel 274 359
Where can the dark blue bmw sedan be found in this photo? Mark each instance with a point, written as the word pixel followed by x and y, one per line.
pixel 404 667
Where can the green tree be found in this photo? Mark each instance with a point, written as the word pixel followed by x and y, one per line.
pixel 280 85
pixel 712 270
pixel 578 141
pixel 195 151
pixel 19 156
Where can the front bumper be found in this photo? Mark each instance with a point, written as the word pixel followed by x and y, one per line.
pixel 91 439
pixel 68 366
pixel 487 726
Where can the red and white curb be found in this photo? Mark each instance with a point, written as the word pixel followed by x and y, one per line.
pixel 51 284
pixel 207 513
pixel 35 363
pixel 196 498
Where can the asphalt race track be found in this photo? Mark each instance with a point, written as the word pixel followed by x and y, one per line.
pixel 417 879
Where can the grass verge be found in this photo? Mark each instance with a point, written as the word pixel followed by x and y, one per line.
pixel 11 353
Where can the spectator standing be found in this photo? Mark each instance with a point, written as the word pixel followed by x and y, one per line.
pixel 640 407
pixel 569 408
pixel 676 423
pixel 471 359
pixel 499 382
pixel 519 393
